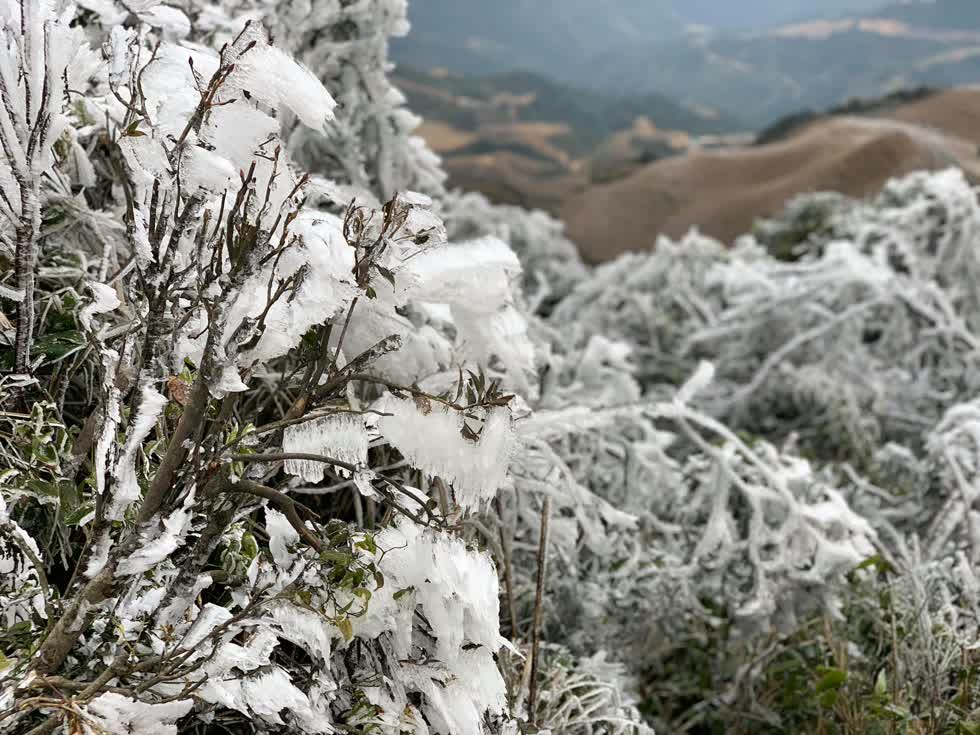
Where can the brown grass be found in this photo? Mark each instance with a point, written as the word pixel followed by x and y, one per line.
pixel 444 138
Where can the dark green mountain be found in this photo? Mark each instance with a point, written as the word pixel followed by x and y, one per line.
pixel 591 116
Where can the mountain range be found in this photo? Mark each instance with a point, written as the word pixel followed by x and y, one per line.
pixel 700 53
pixel 629 119
pixel 474 36
pixel 524 139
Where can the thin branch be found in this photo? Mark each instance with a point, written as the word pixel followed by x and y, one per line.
pixel 298 456
pixel 283 502
pixel 538 609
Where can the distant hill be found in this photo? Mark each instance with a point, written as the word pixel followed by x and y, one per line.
pixel 523 139
pixel 469 102
pixel 874 107
pixel 953 14
pixel 723 192
pixel 475 36
pixel 810 65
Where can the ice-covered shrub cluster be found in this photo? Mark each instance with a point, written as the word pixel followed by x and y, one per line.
pixel 210 518
pixel 835 424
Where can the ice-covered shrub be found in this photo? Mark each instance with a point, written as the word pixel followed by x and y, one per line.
pixel 177 552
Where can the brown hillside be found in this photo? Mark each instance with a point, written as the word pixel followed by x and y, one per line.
pixel 956 112
pixel 511 178
pixel 724 192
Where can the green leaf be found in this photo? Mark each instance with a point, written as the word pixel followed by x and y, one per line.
pixel 58 344
pixel 337 557
pixel 829 698
pixel 304 596
pixel 881 683
pixel 403 592
pixel 876 561
pixel 368 544
pixel 47 489
pixel 346 629
pixel 831 680
pixel 386 274
pixel 133 131
pixel 250 548
pixel 78 514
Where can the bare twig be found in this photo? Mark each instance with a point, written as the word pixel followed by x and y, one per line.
pixel 538 609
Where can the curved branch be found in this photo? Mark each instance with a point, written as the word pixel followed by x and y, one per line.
pixel 283 502
pixel 298 456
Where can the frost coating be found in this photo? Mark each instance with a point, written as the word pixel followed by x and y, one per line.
pixel 156 549
pixel 105 301
pixel 342 437
pixel 457 590
pixel 116 713
pixel 430 436
pixel 127 487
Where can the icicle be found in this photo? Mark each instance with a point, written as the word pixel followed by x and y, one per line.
pixel 475 275
pixel 342 437
pixel 431 438
pixel 204 169
pixel 272 77
pixel 701 379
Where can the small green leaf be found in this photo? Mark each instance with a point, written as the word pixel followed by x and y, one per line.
pixel 829 698
pixel 133 131
pixel 337 557
pixel 250 548
pixel 881 683
pixel 831 680
pixel 386 274
pixel 403 592
pixel 78 515
pixel 304 596
pixel 346 629
pixel 368 544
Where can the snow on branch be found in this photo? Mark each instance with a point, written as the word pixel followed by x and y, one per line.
pixel 473 456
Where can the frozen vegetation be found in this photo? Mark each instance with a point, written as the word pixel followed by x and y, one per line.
pixel 293 440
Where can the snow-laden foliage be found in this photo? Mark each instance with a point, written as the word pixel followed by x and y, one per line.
pixel 371 145
pixel 232 343
pixel 442 442
pixel 836 427
pixel 552 266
